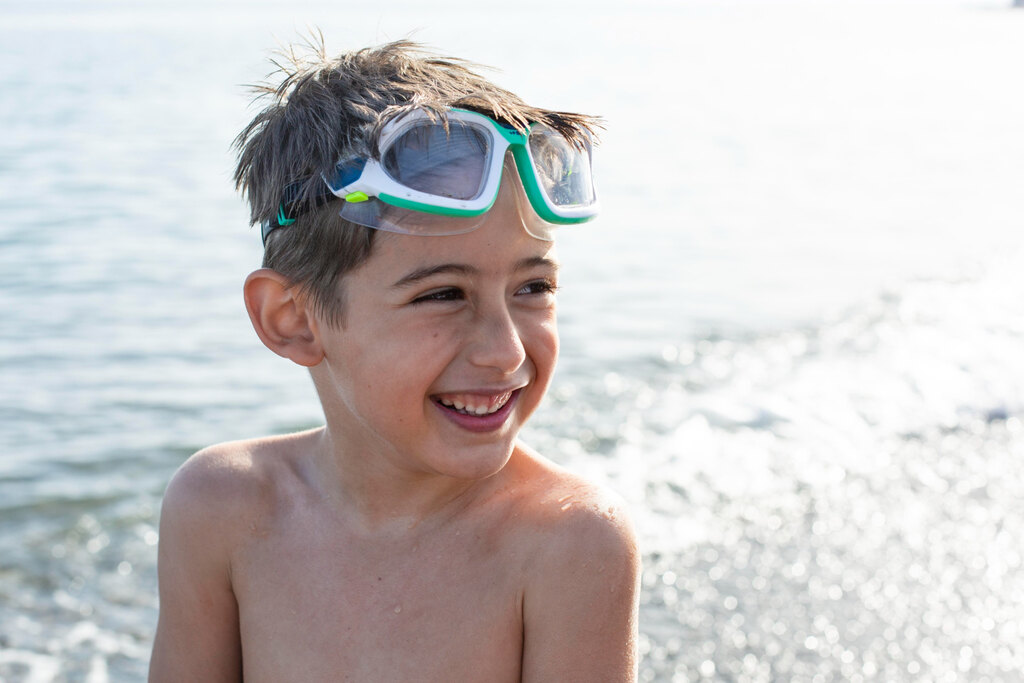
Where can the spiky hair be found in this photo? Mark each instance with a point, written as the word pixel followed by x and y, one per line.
pixel 324 108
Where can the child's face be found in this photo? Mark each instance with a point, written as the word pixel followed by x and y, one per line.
pixel 438 327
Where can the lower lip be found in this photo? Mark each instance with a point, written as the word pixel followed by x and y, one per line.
pixel 481 423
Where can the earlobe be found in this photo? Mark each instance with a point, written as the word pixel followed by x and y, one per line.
pixel 281 319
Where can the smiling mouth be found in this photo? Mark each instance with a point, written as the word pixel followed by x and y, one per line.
pixel 474 405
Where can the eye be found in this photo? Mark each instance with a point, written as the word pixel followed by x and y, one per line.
pixel 442 294
pixel 538 287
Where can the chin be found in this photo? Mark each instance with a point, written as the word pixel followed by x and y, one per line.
pixel 477 463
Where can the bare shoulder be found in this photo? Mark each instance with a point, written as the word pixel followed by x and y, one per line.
pixel 580 600
pixel 208 507
pixel 217 475
pixel 207 493
pixel 570 514
pixel 233 476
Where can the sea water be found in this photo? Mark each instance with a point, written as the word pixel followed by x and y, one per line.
pixel 793 341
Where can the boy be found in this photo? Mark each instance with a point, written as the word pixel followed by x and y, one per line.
pixel 407 222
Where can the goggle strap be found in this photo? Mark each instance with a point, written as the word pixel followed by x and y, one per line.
pixel 289 210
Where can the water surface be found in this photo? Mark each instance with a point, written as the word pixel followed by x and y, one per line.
pixel 792 341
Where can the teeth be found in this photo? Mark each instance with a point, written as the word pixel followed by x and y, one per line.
pixel 467 406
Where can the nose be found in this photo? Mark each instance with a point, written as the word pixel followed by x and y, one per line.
pixel 497 342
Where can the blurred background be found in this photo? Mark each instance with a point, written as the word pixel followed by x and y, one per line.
pixel 793 341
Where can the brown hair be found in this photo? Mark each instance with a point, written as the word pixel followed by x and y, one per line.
pixel 326 108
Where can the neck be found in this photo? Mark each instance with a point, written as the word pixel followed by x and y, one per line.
pixel 370 489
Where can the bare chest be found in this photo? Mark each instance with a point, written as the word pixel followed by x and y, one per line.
pixel 319 606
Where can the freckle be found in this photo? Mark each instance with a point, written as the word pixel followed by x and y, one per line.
pixel 378 578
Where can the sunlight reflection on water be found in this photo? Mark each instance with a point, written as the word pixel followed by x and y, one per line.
pixel 792 342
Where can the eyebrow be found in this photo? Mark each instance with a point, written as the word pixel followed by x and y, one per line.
pixel 537 262
pixel 421 274
pixel 442 269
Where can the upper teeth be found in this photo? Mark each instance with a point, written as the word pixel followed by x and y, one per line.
pixel 467 405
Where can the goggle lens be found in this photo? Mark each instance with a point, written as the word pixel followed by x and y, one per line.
pixel 452 163
pixel 563 170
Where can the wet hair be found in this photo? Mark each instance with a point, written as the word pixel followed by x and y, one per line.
pixel 322 109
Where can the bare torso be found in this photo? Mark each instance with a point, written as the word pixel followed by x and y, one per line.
pixel 448 599
pixel 530 574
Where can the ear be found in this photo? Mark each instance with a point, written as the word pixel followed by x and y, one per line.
pixel 281 318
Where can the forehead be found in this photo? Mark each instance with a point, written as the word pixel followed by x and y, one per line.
pixel 499 243
pixel 495 248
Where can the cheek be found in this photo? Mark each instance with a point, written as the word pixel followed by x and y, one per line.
pixel 403 360
pixel 542 350
pixel 552 339
pixel 543 346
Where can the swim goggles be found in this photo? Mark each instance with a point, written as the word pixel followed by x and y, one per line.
pixel 437 177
